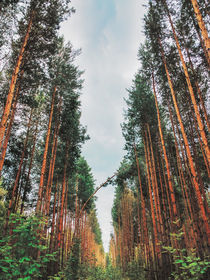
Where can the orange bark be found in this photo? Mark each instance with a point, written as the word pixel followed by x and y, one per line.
pixel 201 146
pixel 146 238
pixel 202 26
pixel 156 189
pixel 190 88
pixel 171 189
pixel 165 181
pixel 156 241
pixel 51 171
pixel 9 128
pixel 30 166
pixel 161 187
pixel 191 163
pixel 40 193
pixel 188 208
pixel 203 107
pixel 60 227
pixel 19 170
pixel 10 95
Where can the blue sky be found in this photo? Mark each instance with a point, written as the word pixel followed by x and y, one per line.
pixel 109 33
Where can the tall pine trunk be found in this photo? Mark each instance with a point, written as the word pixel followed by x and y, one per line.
pixel 40 193
pixel 190 88
pixel 156 241
pixel 202 26
pixel 146 238
pixel 19 171
pixel 10 95
pixel 9 128
pixel 30 166
pixel 171 189
pixel 60 226
pixel 187 147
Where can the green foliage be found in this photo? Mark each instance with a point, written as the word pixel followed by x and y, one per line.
pixel 88 272
pixel 76 270
pixel 95 226
pixel 73 266
pixel 19 250
pixel 135 271
pixel 3 193
pixel 59 276
pixel 85 183
pixel 187 264
pixel 190 267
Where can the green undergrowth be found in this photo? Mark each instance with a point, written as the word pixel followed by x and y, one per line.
pixel 22 253
pixel 88 272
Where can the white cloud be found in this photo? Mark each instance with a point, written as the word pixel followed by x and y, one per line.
pixel 109 34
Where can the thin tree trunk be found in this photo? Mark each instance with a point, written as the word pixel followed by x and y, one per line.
pixel 10 95
pixel 188 208
pixel 40 193
pixel 60 228
pixel 146 238
pixel 201 146
pixel 197 113
pixel 157 194
pixel 51 170
pixel 165 181
pixel 191 163
pixel 171 189
pixel 9 128
pixel 198 88
pixel 19 171
pixel 202 26
pixel 30 167
pixel 156 241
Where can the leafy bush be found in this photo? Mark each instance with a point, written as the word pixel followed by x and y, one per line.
pixel 135 271
pixel 73 265
pixel 187 264
pixel 19 250
pixel 191 267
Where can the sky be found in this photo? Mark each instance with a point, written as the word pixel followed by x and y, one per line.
pixel 109 32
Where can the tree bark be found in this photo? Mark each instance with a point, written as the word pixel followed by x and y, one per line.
pixel 9 128
pixel 190 88
pixel 40 193
pixel 19 170
pixel 202 26
pixel 10 95
pixel 191 163
pixel 171 189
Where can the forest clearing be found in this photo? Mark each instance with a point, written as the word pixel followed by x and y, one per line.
pixel 49 226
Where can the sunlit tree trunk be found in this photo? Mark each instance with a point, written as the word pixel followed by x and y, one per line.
pixel 156 192
pixel 30 166
pixel 165 180
pixel 60 227
pixel 51 170
pixel 146 238
pixel 202 26
pixel 40 193
pixel 19 170
pixel 171 189
pixel 9 128
pixel 191 163
pixel 156 241
pixel 203 107
pixel 190 88
pixel 10 95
